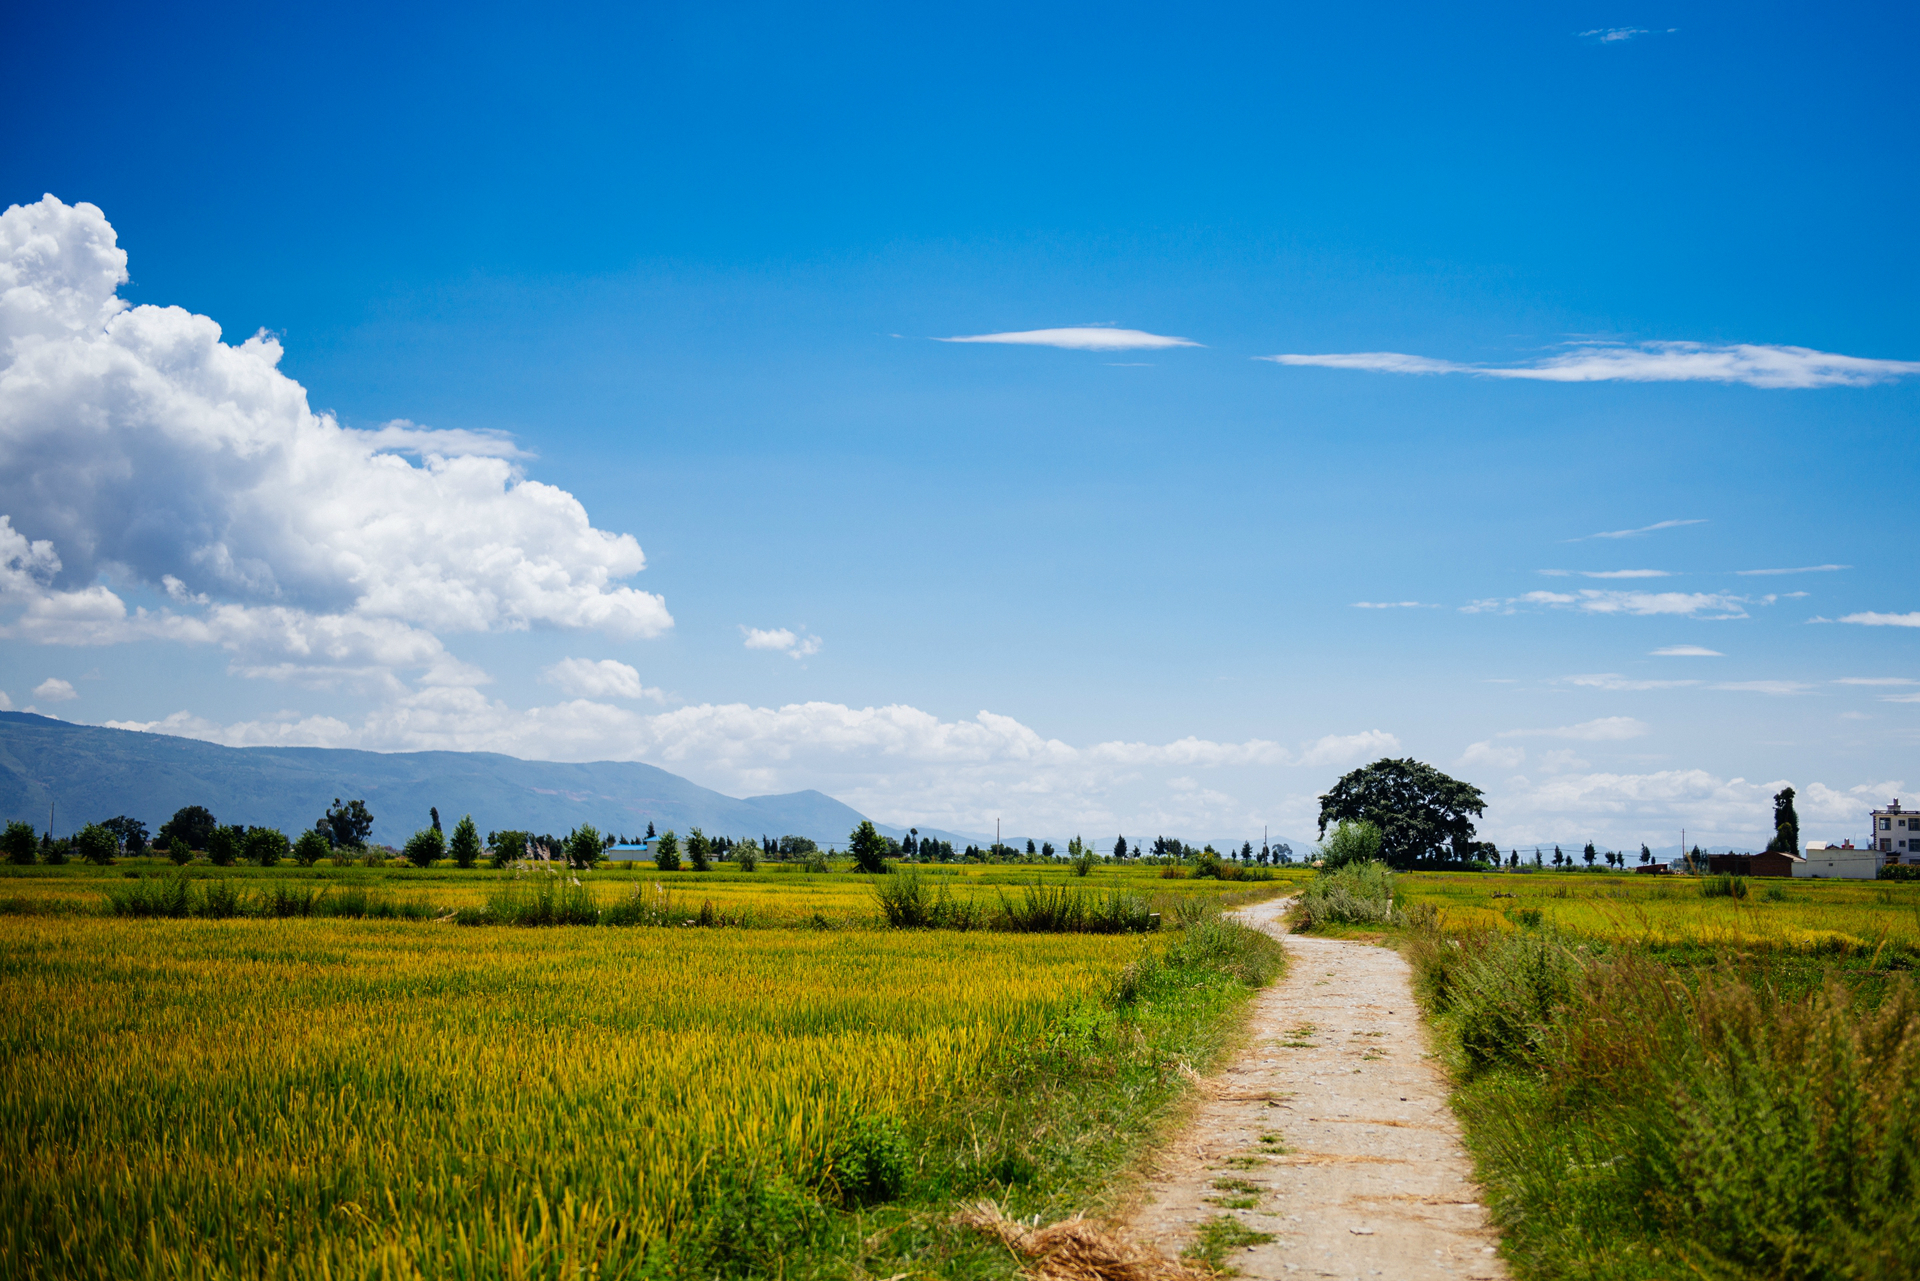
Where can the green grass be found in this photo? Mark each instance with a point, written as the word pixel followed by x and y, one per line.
pixel 1218 1237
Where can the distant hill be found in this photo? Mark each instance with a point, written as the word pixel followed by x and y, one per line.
pixel 89 773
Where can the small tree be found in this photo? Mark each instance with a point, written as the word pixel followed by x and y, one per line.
pixel 649 829
pixel 1587 853
pixel 746 855
pixel 348 824
pixel 265 845
pixel 179 852
pixel 310 848
pixel 666 851
pixel 1786 824
pixel 465 845
pixel 433 812
pixel 699 851
pixel 130 832
pixel 19 842
pixel 1646 855
pixel 223 845
pixel 506 848
pixel 1079 857
pixel 868 847
pixel 425 847
pixel 96 844
pixel 1351 842
pixel 584 846
pixel 53 852
pixel 1119 847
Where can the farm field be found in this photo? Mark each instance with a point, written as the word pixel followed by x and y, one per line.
pixel 1815 917
pixel 342 1098
pixel 774 894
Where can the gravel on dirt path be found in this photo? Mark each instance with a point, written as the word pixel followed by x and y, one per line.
pixel 1329 1133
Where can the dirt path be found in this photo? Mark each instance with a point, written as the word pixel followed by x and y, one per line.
pixel 1330 1131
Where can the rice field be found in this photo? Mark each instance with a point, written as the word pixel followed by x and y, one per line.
pixel 315 1097
pixel 1812 917
pixel 773 895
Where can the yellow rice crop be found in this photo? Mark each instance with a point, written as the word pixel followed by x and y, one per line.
pixel 1814 916
pixel 322 1098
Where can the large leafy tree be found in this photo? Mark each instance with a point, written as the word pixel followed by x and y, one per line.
pixel 1423 815
pixel 193 824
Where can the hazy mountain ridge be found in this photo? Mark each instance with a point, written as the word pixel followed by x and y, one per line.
pixel 89 773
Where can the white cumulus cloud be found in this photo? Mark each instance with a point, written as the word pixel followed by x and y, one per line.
pixel 1081 338
pixel 1754 364
pixel 606 678
pixel 140 450
pixel 54 690
pixel 781 640
pixel 1686 651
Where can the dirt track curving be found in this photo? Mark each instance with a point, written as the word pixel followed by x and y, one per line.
pixel 1333 1124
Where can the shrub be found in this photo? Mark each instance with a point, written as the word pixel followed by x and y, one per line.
pixel 96 844
pixel 1351 842
pixel 646 905
pixel 1356 894
pixel 815 861
pixel 746 856
pixel 266 846
pixel 871 1161
pixel 53 852
pixel 223 845
pixel 178 851
pixel 544 897
pixel 699 851
pixel 1079 857
pixel 1723 885
pixel 425 847
pixel 666 852
pixel 218 900
pixel 1899 872
pixel 506 848
pixel 169 896
pixel 310 848
pixel 19 842
pixel 907 905
pixel 283 899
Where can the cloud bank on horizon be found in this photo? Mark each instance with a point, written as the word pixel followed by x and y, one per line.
pixel 1754 364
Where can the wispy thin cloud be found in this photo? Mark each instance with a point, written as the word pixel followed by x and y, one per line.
pixel 1613 35
pixel 1625 573
pixel 1875 680
pixel 1080 338
pixel 1686 651
pixel 1392 604
pixel 1607 729
pixel 1615 681
pixel 1754 364
pixel 1883 620
pixel 1802 569
pixel 1591 600
pixel 1644 529
pixel 1764 687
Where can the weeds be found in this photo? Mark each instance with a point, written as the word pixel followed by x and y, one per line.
pixel 1355 894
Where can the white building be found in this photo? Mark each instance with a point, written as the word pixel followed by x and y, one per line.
pixel 1896 833
pixel 1839 862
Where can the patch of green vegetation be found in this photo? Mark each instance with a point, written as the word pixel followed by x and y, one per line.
pixel 1219 1235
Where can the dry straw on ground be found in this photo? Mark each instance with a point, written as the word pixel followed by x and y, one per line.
pixel 1075 1249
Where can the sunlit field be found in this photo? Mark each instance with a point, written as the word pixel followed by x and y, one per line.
pixel 1816 917
pixel 308 1096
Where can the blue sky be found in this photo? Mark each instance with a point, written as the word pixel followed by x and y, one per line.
pixel 689 262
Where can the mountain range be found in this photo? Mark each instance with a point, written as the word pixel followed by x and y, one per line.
pixel 86 773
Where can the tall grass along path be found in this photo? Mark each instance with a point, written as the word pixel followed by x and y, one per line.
pixel 1326 1147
